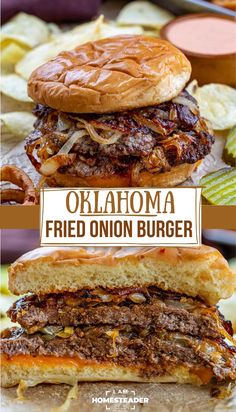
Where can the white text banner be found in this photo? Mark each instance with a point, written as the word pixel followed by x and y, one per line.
pixel 137 216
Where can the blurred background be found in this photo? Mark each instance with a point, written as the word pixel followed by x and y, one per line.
pixel 75 10
pixel 15 243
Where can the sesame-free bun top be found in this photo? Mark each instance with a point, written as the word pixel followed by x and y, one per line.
pixel 109 75
pixel 200 271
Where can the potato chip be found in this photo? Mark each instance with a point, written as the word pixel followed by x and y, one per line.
pixel 17 124
pixel 104 28
pixel 217 103
pixel 14 86
pixel 26 30
pixel 66 41
pixel 11 105
pixel 152 33
pixel 144 13
pixel 11 54
pixel 112 29
pixel 81 34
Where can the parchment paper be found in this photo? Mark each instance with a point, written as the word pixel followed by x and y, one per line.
pixel 162 398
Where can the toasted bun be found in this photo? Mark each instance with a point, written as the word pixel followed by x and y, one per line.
pixel 40 369
pixel 174 177
pixel 112 74
pixel 200 271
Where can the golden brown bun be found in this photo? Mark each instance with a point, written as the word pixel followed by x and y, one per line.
pixel 174 177
pixel 109 75
pixel 200 271
pixel 39 369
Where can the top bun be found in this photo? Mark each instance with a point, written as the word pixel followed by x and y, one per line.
pixel 195 272
pixel 109 75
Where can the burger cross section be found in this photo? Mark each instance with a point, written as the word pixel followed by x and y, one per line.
pixel 119 314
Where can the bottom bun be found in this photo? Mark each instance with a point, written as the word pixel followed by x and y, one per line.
pixel 174 177
pixel 42 369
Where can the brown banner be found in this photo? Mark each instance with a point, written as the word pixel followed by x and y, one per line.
pixel 27 217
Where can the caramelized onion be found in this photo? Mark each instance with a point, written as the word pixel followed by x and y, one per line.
pixel 186 102
pixel 105 297
pixel 162 114
pixel 71 141
pixel 185 305
pixel 96 137
pixel 16 176
pixel 135 174
pixel 151 124
pixel 173 113
pixel 12 195
pixel 100 123
pixel 72 300
pixel 137 297
pixel 156 161
pixel 114 334
pixel 180 339
pixel 63 123
pixel 62 137
pixel 51 330
pixel 66 333
pixel 51 165
pixel 30 148
pixel 173 141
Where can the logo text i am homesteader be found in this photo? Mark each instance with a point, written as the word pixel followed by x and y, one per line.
pixel 124 399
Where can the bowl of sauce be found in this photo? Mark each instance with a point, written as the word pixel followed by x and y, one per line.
pixel 209 42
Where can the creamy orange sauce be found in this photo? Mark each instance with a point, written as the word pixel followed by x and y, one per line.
pixel 52 361
pixel 49 361
pixel 203 373
pixel 204 35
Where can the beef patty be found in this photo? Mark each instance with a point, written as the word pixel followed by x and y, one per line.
pixel 154 352
pixel 155 138
pixel 149 307
pixel 147 327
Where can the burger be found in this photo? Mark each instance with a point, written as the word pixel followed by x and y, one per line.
pixel 119 314
pixel 115 113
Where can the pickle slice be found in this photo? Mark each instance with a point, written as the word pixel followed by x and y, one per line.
pixel 229 154
pixel 219 188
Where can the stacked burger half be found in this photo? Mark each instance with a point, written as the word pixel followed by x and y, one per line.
pixel 116 113
pixel 119 314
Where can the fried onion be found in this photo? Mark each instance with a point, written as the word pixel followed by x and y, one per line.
pixel 71 141
pixel 27 194
pixel 12 195
pixel 51 165
pixel 135 174
pixel 154 125
pixel 96 137
pixel 156 161
pixel 186 102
